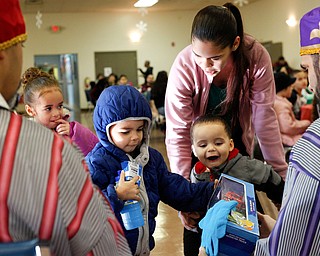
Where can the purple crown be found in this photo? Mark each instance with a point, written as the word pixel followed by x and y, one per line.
pixel 310 32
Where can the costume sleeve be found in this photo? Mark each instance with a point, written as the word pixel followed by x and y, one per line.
pixel 299 217
pixel 91 224
pixel 50 194
pixel 264 118
pixel 83 137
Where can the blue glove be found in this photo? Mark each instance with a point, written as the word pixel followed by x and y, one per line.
pixel 214 225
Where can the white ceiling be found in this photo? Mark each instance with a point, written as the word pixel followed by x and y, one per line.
pixel 74 6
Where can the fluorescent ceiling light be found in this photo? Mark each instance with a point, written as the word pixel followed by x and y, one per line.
pixel 145 3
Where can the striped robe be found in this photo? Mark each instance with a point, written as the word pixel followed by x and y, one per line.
pixel 297 230
pixel 46 192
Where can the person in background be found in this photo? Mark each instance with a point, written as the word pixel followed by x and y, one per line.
pixel 299 217
pixel 291 128
pixel 227 72
pixel 297 98
pixel 87 86
pixel 101 84
pixel 43 101
pixel 146 87
pixel 123 80
pixel 315 109
pixel 308 95
pixel 43 178
pixel 281 65
pixel 149 70
pixel 99 77
pixel 158 93
pixel 122 120
pixel 112 79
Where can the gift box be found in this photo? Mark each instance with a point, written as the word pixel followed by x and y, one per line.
pixel 242 230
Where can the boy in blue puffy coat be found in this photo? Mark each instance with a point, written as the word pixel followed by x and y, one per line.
pixel 122 120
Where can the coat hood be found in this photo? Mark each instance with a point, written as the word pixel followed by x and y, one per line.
pixel 119 103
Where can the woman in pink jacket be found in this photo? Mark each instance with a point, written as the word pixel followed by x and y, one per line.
pixel 229 73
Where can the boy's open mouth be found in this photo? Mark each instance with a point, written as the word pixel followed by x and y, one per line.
pixel 212 158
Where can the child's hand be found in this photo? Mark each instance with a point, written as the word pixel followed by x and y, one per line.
pixel 266 225
pixel 202 251
pixel 190 220
pixel 63 127
pixel 128 190
pixel 277 205
pixel 216 181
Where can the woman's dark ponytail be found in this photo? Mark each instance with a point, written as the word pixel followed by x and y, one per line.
pixel 237 91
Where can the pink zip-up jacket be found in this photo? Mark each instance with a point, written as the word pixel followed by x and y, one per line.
pixel 187 97
pixel 291 129
pixel 83 137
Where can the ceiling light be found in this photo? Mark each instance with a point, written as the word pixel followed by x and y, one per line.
pixel 291 22
pixel 135 36
pixel 145 3
pixel 241 2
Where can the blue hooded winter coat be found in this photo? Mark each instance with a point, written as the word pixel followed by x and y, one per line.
pixel 119 103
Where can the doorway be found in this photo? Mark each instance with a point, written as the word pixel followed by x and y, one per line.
pixel 274 50
pixel 118 63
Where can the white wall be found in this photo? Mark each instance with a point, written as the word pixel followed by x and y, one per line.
pixel 86 33
pixel 266 21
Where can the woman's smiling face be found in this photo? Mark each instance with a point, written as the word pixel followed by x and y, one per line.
pixel 211 58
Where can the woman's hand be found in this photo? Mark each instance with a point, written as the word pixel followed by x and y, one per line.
pixel 266 224
pixel 128 190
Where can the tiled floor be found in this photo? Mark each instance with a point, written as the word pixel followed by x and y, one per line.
pixel 169 230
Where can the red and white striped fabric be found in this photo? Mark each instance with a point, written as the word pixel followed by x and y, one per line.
pixel 46 192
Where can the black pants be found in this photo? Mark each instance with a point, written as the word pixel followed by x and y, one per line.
pixel 191 242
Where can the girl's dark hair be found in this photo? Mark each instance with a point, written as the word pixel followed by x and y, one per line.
pixel 221 25
pixel 162 77
pixel 115 77
pixel 34 80
pixel 210 119
pixel 122 75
